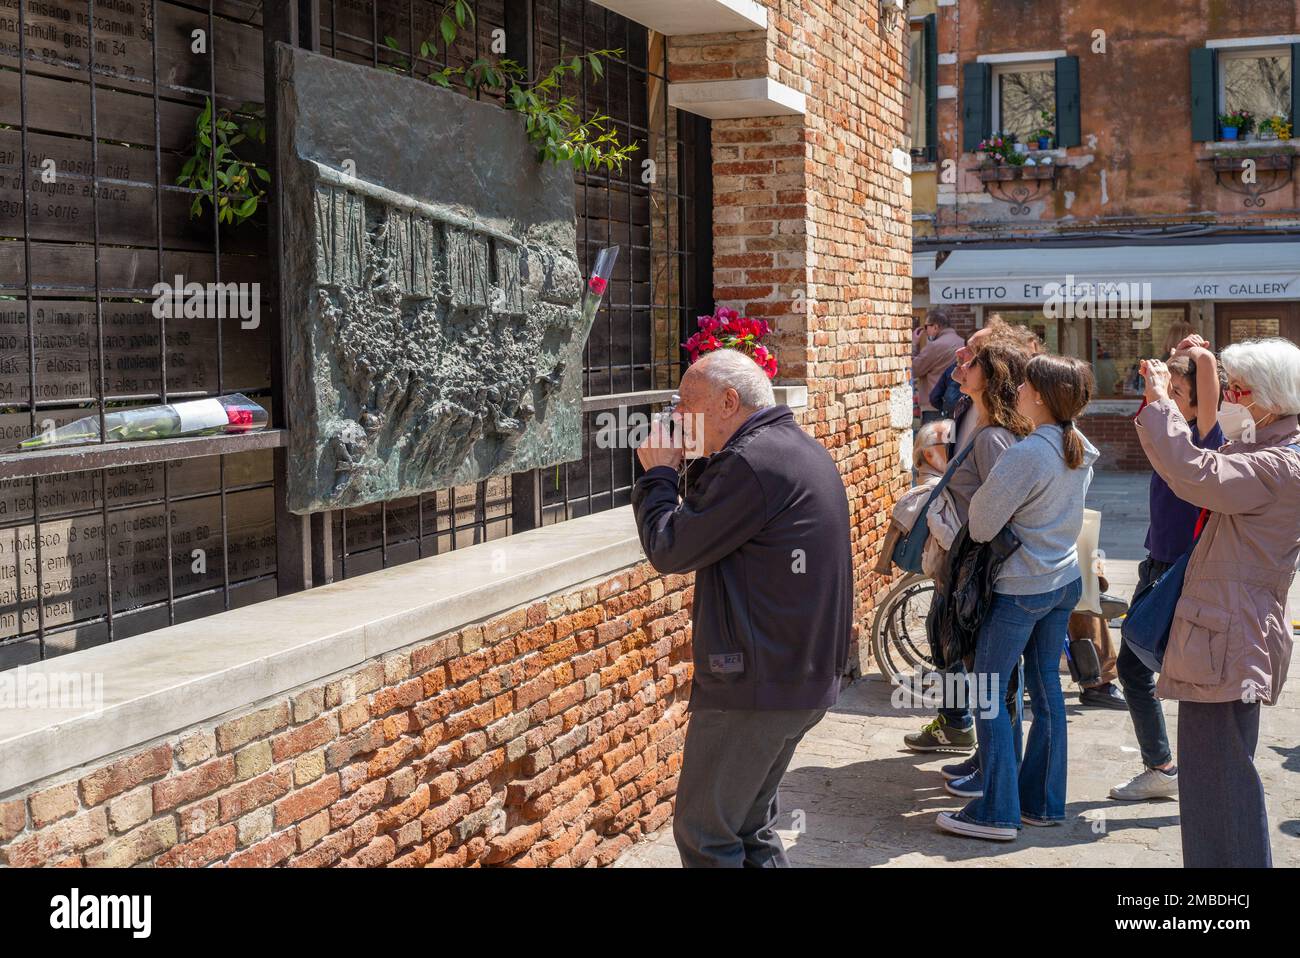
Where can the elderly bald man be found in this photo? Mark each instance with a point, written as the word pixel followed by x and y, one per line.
pixel 765 528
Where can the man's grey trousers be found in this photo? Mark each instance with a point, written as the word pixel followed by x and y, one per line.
pixel 734 760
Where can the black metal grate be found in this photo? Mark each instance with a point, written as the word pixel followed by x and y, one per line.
pixel 110 96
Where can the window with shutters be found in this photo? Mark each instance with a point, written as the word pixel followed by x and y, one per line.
pixel 1257 76
pixel 1023 93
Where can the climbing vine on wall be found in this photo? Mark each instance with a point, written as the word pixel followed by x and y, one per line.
pixel 215 153
pixel 551 119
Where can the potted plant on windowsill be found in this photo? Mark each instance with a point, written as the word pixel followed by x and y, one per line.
pixel 1236 124
pixel 1001 162
pixel 1044 134
pixel 1274 128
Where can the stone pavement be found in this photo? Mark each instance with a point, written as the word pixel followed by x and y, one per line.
pixel 865 800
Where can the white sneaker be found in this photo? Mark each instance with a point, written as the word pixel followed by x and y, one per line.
pixel 949 822
pixel 1149 783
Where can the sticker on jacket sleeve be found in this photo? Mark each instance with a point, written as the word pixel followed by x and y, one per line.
pixel 732 662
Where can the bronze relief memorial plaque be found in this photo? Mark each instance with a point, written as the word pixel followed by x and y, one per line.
pixel 431 288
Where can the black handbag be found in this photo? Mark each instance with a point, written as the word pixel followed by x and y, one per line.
pixel 973 567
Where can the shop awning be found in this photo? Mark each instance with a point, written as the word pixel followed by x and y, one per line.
pixel 1231 272
pixel 923 265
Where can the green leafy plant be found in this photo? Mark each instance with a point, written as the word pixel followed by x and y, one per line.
pixel 239 181
pixel 998 148
pixel 1048 130
pixel 1277 126
pixel 551 119
pixel 1243 120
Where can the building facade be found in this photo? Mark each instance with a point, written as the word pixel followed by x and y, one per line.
pixel 1143 212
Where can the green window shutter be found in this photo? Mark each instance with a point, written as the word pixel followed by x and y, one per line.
pixel 932 88
pixel 977 88
pixel 1068 127
pixel 1205 84
pixel 1295 87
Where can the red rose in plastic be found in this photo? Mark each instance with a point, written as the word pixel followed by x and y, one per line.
pixel 239 418
pixel 597 285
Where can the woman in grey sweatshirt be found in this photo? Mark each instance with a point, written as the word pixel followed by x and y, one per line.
pixel 1037 487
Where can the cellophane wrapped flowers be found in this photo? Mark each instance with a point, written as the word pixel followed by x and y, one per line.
pixel 727 329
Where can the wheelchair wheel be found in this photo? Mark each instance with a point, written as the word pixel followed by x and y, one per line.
pixel 898 636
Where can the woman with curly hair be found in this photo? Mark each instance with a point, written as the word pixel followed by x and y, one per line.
pixel 990 378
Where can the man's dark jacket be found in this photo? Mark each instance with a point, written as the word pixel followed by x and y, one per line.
pixel 765 528
pixel 946 394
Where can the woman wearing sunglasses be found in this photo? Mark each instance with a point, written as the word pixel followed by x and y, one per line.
pixel 1230 642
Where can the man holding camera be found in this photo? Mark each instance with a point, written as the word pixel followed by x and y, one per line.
pixel 765 527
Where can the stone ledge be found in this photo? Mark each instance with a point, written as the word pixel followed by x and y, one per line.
pixel 737 99
pixel 163 681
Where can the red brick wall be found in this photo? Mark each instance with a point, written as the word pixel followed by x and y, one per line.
pixel 550 735
pixel 718 56
pixel 1116 440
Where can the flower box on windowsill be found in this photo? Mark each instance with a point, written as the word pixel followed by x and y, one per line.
pixel 1042 171
pixel 1276 159
pixel 990 173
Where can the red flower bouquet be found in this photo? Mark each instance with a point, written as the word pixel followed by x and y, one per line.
pixel 727 329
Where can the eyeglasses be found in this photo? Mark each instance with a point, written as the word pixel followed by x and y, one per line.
pixel 1235 395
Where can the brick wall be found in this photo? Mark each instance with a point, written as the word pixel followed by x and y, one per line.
pixel 549 735
pixel 1116 439
pixel 718 56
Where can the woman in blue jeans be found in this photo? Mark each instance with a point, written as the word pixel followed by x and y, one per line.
pixel 1038 488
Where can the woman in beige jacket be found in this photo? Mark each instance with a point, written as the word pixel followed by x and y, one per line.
pixel 1230 643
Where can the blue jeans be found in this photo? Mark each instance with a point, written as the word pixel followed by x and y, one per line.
pixel 1033 626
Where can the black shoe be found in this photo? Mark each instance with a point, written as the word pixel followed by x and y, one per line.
pixel 1112 606
pixel 1104 697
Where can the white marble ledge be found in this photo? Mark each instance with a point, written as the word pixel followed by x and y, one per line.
pixel 157 683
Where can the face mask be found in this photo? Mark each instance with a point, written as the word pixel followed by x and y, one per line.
pixel 1233 418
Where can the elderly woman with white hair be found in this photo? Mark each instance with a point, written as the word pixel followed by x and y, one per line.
pixel 1230 642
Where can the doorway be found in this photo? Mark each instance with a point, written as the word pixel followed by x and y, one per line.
pixel 1238 322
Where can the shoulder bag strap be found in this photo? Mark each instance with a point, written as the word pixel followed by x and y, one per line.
pixel 948 474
